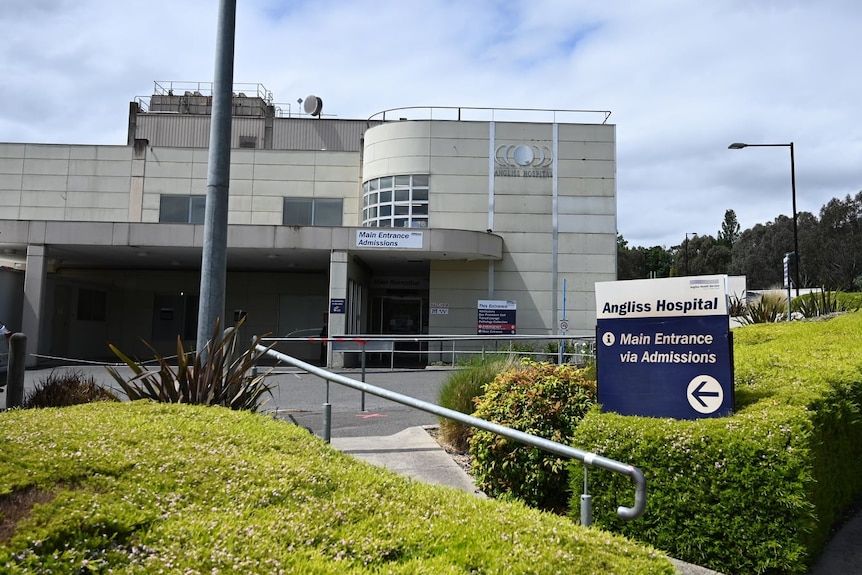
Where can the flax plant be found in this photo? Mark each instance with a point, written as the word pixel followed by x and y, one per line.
pixel 216 377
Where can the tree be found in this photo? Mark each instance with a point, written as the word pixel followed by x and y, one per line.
pixel 701 255
pixel 640 263
pixel 629 261
pixel 759 252
pixel 836 262
pixel 658 262
pixel 729 232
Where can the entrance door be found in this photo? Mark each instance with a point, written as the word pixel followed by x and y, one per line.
pixel 402 316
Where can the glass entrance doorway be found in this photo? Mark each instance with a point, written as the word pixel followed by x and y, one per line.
pixel 393 315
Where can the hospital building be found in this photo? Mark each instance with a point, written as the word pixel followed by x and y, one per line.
pixel 412 221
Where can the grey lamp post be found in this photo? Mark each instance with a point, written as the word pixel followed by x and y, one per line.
pixel 739 146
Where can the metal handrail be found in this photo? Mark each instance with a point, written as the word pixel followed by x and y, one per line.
pixel 590 459
pixel 492 110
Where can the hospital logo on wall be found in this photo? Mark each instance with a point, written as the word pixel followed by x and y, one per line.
pixel 523 161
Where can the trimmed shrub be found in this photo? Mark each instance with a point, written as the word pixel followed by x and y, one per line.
pixel 66 388
pixel 460 391
pixel 759 491
pixel 729 494
pixel 542 399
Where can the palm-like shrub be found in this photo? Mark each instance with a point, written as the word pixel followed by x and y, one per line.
pixel 69 387
pixel 814 304
pixel 737 307
pixel 769 308
pixel 216 377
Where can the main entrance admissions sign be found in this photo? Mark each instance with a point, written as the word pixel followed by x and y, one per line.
pixel 664 347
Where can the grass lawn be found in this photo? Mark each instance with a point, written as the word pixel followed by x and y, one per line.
pixel 153 488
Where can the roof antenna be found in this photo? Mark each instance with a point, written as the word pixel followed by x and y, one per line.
pixel 313 106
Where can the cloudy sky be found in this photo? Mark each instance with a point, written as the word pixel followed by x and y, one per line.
pixel 682 79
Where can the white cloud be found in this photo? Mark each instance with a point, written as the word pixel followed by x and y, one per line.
pixel 682 79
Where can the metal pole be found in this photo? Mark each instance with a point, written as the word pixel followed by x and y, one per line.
pixel 327 422
pixel 327 416
pixel 739 146
pixel 586 502
pixel 562 340
pixel 795 231
pixel 15 370
pixel 214 256
pixel 362 400
pixel 787 281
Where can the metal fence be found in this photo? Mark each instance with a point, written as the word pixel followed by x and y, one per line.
pixel 441 349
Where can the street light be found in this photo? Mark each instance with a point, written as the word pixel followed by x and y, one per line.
pixel 739 146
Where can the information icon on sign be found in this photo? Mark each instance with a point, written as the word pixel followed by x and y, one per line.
pixel 608 338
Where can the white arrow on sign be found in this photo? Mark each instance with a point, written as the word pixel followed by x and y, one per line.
pixel 705 394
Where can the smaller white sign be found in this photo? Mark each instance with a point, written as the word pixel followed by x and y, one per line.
pixel 385 238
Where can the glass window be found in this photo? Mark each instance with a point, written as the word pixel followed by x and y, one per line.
pixel 182 209
pixel 327 212
pixel 296 212
pixel 408 206
pixel 197 209
pixel 312 212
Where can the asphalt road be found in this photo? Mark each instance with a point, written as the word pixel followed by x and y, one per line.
pixel 299 397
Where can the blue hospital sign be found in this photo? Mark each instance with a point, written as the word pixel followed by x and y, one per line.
pixel 664 347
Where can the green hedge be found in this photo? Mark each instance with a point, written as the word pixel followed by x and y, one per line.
pixel 139 488
pixel 756 492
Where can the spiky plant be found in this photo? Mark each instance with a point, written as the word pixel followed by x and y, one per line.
pixel 64 388
pixel 216 377
pixel 769 308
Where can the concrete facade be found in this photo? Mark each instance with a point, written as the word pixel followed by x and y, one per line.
pixel 479 210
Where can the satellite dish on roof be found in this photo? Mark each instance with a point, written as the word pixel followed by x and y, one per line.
pixel 313 105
